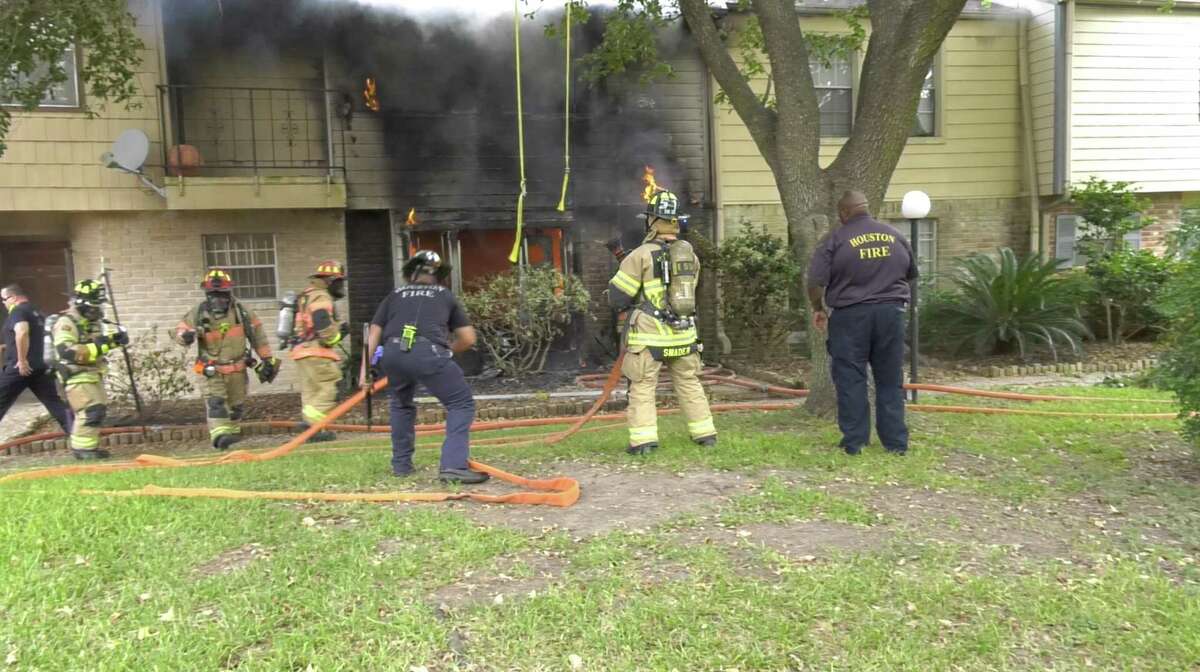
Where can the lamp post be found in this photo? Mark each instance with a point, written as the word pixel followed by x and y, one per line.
pixel 915 207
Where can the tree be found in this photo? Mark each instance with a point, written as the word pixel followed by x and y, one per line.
pixel 784 122
pixel 36 34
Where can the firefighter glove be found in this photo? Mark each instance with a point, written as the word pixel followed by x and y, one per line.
pixel 120 338
pixel 267 369
pixel 188 337
pixel 103 343
pixel 344 328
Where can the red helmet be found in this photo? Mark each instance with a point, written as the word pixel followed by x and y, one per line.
pixel 217 281
pixel 330 269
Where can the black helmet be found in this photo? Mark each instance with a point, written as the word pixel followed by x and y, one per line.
pixel 662 214
pixel 89 299
pixel 425 262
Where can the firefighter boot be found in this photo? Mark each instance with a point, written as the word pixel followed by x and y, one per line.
pixel 320 437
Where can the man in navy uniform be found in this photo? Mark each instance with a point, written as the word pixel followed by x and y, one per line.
pixel 858 285
pixel 24 365
pixel 415 323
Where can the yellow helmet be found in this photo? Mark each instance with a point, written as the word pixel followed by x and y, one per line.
pixel 217 281
pixel 330 269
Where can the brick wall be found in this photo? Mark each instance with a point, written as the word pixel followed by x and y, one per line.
pixel 1165 208
pixel 157 261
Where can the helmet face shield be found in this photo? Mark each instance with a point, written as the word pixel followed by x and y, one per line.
pixel 218 303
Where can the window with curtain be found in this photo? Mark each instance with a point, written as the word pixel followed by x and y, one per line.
pixel 834 85
pixel 925 125
pixel 60 95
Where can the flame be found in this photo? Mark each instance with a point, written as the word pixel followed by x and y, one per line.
pixel 652 187
pixel 412 218
pixel 369 95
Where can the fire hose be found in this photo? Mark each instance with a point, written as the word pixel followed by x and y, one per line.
pixel 561 491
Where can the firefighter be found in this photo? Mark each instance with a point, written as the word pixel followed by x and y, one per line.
pixel 222 328
pixel 80 346
pixel 657 282
pixel 422 325
pixel 317 333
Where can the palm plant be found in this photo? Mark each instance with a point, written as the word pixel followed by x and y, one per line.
pixel 1003 303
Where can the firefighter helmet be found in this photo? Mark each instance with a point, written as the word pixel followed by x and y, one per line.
pixel 663 216
pixel 425 262
pixel 89 298
pixel 332 270
pixel 217 281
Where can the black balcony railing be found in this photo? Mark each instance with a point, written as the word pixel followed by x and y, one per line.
pixel 228 131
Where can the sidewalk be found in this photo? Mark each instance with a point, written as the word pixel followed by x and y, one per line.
pixel 21 416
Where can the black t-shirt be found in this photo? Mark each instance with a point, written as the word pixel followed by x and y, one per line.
pixel 432 308
pixel 24 312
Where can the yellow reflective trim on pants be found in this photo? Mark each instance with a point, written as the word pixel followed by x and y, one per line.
pixel 222 430
pixel 625 282
pixel 642 435
pixel 83 379
pixel 85 442
pixel 702 428
pixel 312 414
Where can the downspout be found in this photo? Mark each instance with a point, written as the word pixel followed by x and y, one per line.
pixel 1064 20
pixel 714 153
pixel 1036 226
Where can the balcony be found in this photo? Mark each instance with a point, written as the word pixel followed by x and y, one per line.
pixel 241 147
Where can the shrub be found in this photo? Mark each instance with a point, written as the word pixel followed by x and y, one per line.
pixel 1128 283
pixel 517 319
pixel 1180 366
pixel 1111 209
pixel 162 373
pixel 1006 304
pixel 758 275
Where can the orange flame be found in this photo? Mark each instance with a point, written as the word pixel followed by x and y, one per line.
pixel 652 187
pixel 412 217
pixel 369 95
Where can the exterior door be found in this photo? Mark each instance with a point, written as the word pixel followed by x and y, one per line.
pixel 42 268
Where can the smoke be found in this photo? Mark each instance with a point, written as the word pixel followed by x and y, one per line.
pixel 446 136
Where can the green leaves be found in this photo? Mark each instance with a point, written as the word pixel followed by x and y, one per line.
pixel 1111 210
pixel 1002 303
pixel 35 33
pixel 518 318
pixel 1180 367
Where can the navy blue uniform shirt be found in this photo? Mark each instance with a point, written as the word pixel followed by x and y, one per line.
pixel 24 312
pixel 432 308
pixel 863 261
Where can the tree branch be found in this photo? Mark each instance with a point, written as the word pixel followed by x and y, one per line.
pixel 759 119
pixel 905 37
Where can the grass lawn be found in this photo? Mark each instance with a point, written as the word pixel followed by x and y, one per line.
pixel 999 543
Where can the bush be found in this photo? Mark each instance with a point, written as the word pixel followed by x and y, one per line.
pixel 998 306
pixel 1128 283
pixel 517 324
pixel 1180 366
pixel 758 274
pixel 162 373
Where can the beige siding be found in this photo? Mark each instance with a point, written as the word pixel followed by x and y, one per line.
pixel 53 158
pixel 977 154
pixel 682 102
pixel 1041 81
pixel 1135 103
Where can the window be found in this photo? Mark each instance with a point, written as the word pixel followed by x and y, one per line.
pixel 61 95
pixel 925 125
pixel 1067 230
pixel 926 244
pixel 835 95
pixel 250 260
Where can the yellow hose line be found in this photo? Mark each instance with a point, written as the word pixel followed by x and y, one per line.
pixel 562 200
pixel 516 249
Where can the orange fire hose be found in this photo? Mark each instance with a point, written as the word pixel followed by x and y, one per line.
pixel 555 492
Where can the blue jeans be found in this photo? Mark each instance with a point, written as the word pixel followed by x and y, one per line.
pixel 862 334
pixel 429 365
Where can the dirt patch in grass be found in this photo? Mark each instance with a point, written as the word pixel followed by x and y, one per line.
pixel 509 578
pixel 621 497
pixel 233 560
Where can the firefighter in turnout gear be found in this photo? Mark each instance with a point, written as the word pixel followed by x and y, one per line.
pixel 656 283
pixel 224 331
pixel 80 346
pixel 315 337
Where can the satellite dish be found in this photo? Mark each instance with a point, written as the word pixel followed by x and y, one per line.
pixel 129 152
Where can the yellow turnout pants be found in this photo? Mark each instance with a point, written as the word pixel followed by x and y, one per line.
pixel 642 416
